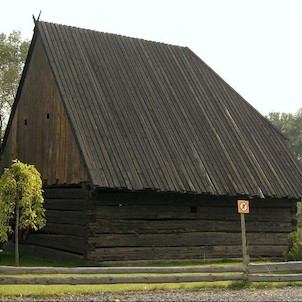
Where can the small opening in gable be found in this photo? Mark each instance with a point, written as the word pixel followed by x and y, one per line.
pixel 25 122
pixel 47 116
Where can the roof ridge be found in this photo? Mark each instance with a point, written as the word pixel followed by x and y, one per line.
pixel 111 34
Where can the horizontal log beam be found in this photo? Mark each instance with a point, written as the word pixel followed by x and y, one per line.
pixel 120 270
pixel 65 192
pixel 66 217
pixel 132 211
pixel 184 239
pixel 121 280
pixel 201 253
pixel 275 267
pixel 120 226
pixel 66 204
pixel 66 243
pixel 275 278
pixel 64 229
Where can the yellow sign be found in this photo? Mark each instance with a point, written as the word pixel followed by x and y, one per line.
pixel 243 206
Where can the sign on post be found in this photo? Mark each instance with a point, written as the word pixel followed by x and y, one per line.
pixel 243 206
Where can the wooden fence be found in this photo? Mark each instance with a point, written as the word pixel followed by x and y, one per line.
pixel 268 272
pixel 275 272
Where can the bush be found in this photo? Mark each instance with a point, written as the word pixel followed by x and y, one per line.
pixel 294 252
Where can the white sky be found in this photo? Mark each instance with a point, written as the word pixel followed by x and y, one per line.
pixel 254 45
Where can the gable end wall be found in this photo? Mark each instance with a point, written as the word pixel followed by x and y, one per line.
pixel 40 133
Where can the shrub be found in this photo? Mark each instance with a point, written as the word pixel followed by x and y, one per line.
pixel 294 252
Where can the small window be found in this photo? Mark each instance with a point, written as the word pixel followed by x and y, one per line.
pixel 25 122
pixel 47 116
pixel 193 209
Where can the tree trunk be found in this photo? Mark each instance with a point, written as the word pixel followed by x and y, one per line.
pixel 17 231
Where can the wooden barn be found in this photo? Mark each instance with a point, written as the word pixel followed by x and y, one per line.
pixel 144 151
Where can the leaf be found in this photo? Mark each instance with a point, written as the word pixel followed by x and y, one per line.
pixel 24 181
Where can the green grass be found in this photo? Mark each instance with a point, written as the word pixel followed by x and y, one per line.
pixel 57 290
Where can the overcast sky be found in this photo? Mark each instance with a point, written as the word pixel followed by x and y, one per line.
pixel 254 45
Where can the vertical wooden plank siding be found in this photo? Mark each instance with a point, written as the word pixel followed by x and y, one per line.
pixel 40 133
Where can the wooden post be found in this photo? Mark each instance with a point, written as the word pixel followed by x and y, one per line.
pixel 243 208
pixel 17 214
pixel 245 256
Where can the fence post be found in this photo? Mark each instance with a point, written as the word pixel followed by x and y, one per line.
pixel 245 255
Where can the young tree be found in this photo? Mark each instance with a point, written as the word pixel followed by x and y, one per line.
pixel 21 202
pixel 291 126
pixel 13 52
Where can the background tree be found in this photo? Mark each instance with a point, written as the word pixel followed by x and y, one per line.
pixel 291 126
pixel 13 52
pixel 21 202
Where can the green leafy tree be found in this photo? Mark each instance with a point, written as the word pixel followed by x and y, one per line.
pixel 291 126
pixel 294 252
pixel 21 202
pixel 13 52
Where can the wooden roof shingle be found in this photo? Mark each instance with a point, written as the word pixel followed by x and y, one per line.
pixel 153 116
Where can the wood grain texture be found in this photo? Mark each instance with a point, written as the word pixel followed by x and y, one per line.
pixel 46 140
pixel 65 233
pixel 133 227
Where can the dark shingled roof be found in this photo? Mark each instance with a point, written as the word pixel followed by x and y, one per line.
pixel 149 115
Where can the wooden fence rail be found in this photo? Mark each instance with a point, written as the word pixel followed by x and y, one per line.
pixel 285 272
pixel 120 270
pixel 264 272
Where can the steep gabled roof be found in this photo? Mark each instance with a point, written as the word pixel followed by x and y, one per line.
pixel 149 115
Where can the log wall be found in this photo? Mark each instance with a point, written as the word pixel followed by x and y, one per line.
pixel 155 227
pixel 127 227
pixel 65 233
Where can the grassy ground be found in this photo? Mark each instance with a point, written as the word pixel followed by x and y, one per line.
pixel 50 290
pixel 59 290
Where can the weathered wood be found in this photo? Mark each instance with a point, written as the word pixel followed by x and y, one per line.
pixel 122 280
pixel 199 253
pixel 167 274
pixel 209 227
pixel 68 243
pixel 48 253
pixel 64 192
pixel 67 217
pixel 275 267
pixel 67 120
pixel 267 251
pixel 65 233
pixel 184 239
pixel 64 229
pixel 126 211
pixel 153 253
pixel 275 278
pixel 47 139
pixel 188 200
pixel 245 255
pixel 120 226
pixel 71 204
pixel 120 270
